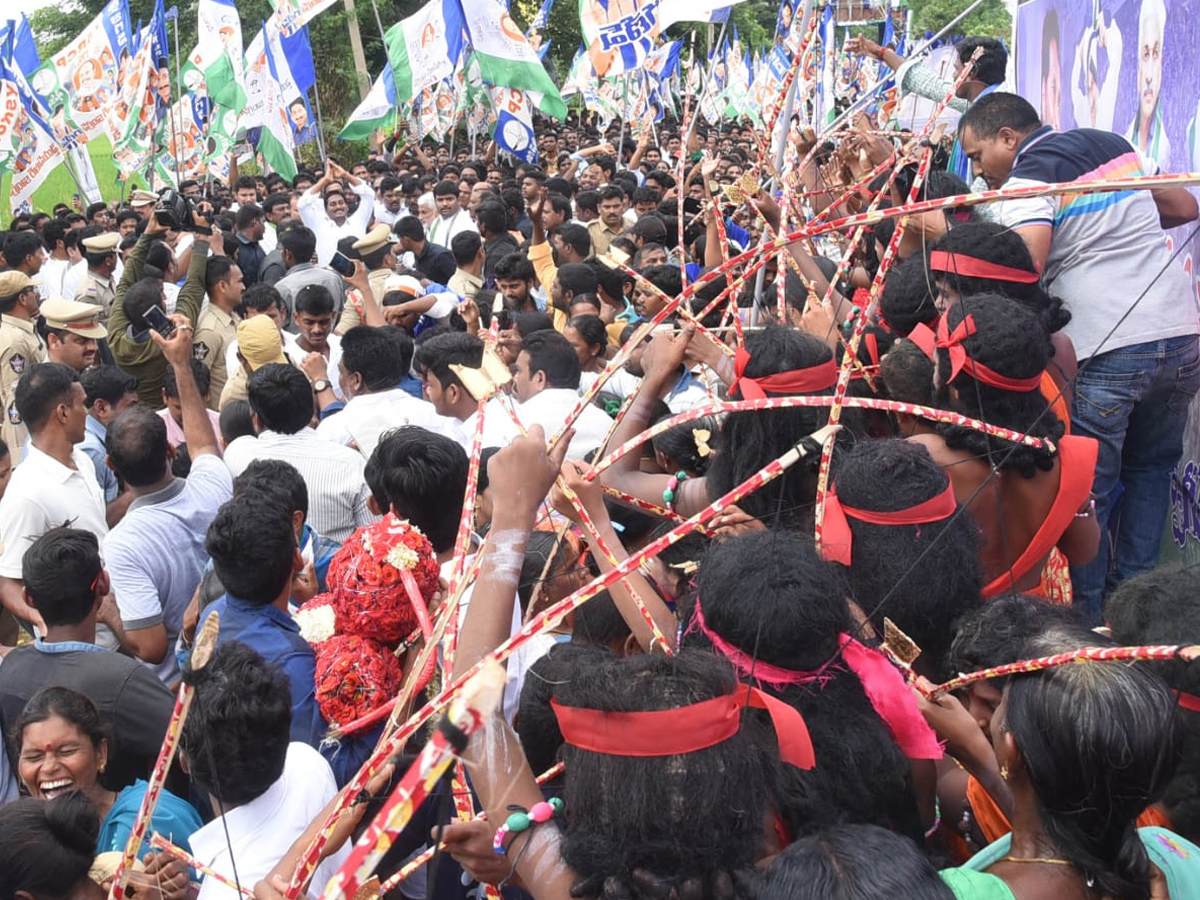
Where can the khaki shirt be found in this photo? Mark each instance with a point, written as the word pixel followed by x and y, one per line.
pixel 20 348
pixel 465 284
pixel 215 331
pixel 601 236
pixel 101 292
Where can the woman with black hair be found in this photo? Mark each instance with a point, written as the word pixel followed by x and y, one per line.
pixel 47 850
pixel 1163 607
pixel 1082 750
pixel 987 258
pixel 672 781
pixel 1028 501
pixel 589 337
pixel 798 639
pixel 853 862
pixel 906 549
pixel 775 362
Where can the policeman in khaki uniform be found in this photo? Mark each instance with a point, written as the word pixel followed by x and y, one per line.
pixel 72 332
pixel 20 348
pixel 99 288
pixel 376 250
pixel 217 326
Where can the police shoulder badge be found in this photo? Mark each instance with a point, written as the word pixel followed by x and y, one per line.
pixel 16 362
pixel 200 351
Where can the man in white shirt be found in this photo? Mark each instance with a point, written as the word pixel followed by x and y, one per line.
pixel 54 484
pixel 155 555
pixel 281 400
pixel 451 218
pixel 546 385
pixel 264 788
pixel 437 359
pixel 328 214
pixel 372 366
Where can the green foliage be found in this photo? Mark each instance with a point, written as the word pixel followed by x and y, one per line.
pixel 991 19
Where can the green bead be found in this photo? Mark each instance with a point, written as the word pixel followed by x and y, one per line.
pixel 557 803
pixel 518 822
pixel 668 496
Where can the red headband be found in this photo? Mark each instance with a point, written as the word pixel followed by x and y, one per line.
pixel 798 381
pixel 960 264
pixel 672 732
pixel 837 539
pixel 862 371
pixel 953 341
pixel 882 682
pixel 1187 701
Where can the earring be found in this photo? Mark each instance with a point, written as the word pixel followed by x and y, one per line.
pixel 1004 772
pixel 102 766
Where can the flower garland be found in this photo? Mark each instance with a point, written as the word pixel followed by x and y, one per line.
pixel 381 583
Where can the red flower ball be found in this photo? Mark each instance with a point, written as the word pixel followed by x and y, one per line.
pixel 354 676
pixel 365 579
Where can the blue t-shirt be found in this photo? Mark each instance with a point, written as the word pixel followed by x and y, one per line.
pixel 173 818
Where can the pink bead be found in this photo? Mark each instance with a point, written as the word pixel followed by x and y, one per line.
pixel 541 812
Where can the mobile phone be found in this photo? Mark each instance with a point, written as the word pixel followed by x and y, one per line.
pixel 342 264
pixel 157 319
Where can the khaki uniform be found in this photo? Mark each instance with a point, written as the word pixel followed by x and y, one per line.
pixel 215 331
pixel 20 348
pixel 601 236
pixel 97 291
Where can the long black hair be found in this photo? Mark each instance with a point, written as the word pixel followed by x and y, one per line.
pixel 1012 341
pixel 774 599
pixel 930 573
pixel 994 243
pixel 1100 743
pixel 46 846
pixel 639 826
pixel 750 440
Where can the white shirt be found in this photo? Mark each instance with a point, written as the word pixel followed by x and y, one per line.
pixel 443 230
pixel 499 430
pixel 54 273
pixel 44 494
pixel 550 409
pixel 312 210
pixel 296 354
pixel 72 281
pixel 269 240
pixel 366 417
pixel 262 831
pixel 337 491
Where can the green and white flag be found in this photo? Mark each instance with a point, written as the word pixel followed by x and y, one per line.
pixel 505 56
pixel 424 47
pixel 275 141
pixel 377 111
pixel 219 53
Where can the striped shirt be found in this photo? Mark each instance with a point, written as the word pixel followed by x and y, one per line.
pixel 1107 249
pixel 337 491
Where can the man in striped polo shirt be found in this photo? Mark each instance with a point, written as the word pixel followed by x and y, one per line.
pixel 1133 313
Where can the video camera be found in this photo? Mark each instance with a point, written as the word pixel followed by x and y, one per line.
pixel 174 211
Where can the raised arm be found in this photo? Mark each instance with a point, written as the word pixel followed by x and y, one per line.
pixel 197 426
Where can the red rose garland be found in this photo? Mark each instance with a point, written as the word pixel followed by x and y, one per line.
pixel 380 584
pixel 354 675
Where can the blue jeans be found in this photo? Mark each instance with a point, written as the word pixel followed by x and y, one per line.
pixel 1134 401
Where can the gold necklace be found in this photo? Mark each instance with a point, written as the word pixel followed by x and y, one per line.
pixel 1045 860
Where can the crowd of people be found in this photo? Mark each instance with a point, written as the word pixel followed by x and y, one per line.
pixel 270 404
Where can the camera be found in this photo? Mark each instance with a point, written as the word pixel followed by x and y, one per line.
pixel 174 211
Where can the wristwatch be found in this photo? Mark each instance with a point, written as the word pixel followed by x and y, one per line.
pixel 321 384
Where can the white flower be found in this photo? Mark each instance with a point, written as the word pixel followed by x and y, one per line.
pixel 317 624
pixel 402 557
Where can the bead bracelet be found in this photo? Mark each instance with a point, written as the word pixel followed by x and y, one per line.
pixel 522 820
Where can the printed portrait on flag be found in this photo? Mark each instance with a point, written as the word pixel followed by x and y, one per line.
pixel 618 34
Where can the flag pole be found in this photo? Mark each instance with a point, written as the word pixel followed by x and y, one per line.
pixel 320 124
pixel 173 15
pixel 703 84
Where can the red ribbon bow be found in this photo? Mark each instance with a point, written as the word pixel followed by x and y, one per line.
pixel 837 539
pixel 820 377
pixel 687 729
pixel 953 342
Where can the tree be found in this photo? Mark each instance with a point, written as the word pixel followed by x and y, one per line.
pixel 991 19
